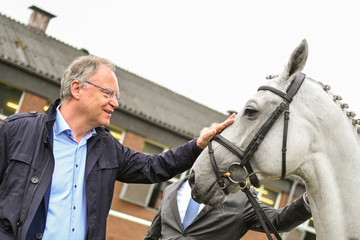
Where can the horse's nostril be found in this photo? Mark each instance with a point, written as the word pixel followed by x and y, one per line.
pixel 191 178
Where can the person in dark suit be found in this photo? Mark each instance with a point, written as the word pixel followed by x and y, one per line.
pixel 231 220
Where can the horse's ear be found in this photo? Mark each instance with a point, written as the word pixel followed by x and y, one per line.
pixel 297 61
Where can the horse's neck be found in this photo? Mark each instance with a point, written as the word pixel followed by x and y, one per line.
pixel 332 178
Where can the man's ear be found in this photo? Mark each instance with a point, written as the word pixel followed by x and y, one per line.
pixel 76 88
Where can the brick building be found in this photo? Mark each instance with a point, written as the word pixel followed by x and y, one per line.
pixel 150 119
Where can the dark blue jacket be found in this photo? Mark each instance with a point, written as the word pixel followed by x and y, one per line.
pixel 27 164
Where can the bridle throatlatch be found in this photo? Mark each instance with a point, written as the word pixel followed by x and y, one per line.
pixel 243 166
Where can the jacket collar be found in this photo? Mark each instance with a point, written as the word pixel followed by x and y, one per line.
pixel 52 109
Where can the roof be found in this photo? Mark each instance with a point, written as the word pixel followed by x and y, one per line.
pixel 49 57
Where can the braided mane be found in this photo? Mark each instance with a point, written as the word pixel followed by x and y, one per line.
pixel 337 98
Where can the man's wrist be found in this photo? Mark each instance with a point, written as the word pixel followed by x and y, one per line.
pixel 198 148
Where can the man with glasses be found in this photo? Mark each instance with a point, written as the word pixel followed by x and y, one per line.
pixel 58 168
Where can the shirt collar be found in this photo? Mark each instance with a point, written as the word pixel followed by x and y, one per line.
pixel 62 126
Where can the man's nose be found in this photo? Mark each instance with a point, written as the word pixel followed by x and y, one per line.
pixel 114 102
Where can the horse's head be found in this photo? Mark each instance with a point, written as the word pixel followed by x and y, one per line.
pixel 264 159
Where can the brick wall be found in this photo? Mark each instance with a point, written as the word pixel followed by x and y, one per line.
pixel 118 229
pixel 32 102
pixel 133 141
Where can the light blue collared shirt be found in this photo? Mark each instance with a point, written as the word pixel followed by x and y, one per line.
pixel 67 214
pixel 183 198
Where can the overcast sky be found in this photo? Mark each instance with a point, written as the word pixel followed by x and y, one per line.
pixel 216 53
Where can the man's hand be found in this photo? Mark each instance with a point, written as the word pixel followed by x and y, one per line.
pixel 208 133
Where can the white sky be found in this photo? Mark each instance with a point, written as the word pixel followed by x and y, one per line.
pixel 216 53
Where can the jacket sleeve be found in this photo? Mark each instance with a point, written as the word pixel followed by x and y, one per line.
pixel 154 231
pixel 284 219
pixel 136 167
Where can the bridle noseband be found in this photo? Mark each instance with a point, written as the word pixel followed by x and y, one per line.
pixel 245 156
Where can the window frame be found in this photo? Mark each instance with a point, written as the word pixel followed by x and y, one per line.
pixel 2 116
pixel 117 130
pixel 264 187
pixel 149 199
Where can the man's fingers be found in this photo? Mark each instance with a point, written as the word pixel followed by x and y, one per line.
pixel 220 127
pixel 208 133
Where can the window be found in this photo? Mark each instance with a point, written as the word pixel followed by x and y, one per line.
pixel 308 230
pixel 117 133
pixel 10 99
pixel 151 148
pixel 269 196
pixel 148 195
pixel 46 107
pixel 305 231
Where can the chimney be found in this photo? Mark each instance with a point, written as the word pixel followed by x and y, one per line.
pixel 39 19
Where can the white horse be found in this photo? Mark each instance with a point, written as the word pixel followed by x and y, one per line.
pixel 322 148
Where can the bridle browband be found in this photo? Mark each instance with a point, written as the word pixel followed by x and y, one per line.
pixel 245 156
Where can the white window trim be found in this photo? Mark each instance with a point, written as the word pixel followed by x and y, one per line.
pixel 20 101
pixel 278 198
pixel 123 136
pixel 120 130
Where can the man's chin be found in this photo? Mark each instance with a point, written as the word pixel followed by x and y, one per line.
pixel 105 122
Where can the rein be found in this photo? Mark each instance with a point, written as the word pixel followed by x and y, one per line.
pixel 244 157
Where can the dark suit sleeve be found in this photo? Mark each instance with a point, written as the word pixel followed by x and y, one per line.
pixel 284 219
pixel 154 231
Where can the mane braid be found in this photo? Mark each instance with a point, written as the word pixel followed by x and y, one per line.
pixel 337 98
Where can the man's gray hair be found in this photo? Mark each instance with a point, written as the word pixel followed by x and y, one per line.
pixel 81 69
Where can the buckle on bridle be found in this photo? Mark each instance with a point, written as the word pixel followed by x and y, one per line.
pixel 243 185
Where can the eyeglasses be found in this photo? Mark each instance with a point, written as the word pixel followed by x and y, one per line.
pixel 111 93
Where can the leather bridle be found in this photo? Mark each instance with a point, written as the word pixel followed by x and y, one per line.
pixel 245 156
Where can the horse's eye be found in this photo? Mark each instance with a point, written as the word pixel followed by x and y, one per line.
pixel 250 112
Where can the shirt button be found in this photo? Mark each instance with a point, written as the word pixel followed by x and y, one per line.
pixel 39 235
pixel 73 229
pixel 75 186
